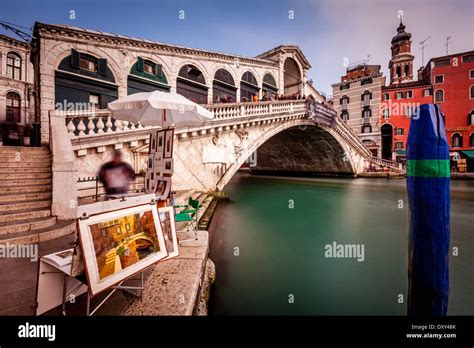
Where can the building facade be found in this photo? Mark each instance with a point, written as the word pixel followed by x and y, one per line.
pixel 356 99
pixel 399 102
pixel 76 69
pixel 16 91
pixel 452 78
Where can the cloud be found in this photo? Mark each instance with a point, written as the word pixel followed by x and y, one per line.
pixel 358 28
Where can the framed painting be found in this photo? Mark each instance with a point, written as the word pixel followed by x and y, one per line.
pixel 118 244
pixel 168 166
pixel 168 151
pixel 163 187
pixel 153 142
pixel 160 141
pixel 158 164
pixel 168 226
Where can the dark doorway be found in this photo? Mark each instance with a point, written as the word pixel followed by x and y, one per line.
pixel 387 140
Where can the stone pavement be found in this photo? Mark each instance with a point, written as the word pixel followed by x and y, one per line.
pixel 173 286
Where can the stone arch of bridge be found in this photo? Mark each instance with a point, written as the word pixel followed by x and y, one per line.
pixel 344 151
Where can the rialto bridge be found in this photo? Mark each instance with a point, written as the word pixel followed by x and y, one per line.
pixel 280 136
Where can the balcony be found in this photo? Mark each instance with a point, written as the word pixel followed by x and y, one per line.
pixel 365 103
pixel 344 106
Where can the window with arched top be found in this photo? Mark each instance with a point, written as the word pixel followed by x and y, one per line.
pixel 192 84
pixel 269 86
pixel 472 92
pixel 366 96
pixel 13 110
pixel 456 140
pixel 439 96
pixel 399 71
pixel 248 87
pixel 146 76
pixel 223 87
pixel 14 66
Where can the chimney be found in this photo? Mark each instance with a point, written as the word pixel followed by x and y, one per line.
pixel 420 73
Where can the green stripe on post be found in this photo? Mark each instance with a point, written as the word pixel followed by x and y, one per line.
pixel 428 168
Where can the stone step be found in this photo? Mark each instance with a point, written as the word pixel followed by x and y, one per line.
pixel 20 158
pixel 25 189
pixel 60 229
pixel 15 215
pixel 25 176
pixel 26 165
pixel 25 204
pixel 31 170
pixel 23 182
pixel 15 197
pixel 10 227
pixel 24 149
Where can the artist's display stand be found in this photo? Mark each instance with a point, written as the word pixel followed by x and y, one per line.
pixel 57 287
pixel 134 290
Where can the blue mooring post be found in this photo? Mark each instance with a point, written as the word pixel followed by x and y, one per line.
pixel 428 180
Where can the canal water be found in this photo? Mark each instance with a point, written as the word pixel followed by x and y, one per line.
pixel 268 244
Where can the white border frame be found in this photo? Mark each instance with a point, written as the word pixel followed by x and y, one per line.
pixel 96 285
pixel 170 210
pixel 170 135
pixel 168 171
pixel 167 190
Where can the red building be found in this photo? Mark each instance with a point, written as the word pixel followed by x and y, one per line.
pixel 447 81
pixel 452 78
pixel 399 101
pixel 401 98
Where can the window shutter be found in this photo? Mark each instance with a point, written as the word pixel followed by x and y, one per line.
pixel 362 96
pixel 158 70
pixel 370 95
pixel 102 66
pixel 75 58
pixel 140 64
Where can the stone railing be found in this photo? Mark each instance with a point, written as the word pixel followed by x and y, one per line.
pixel 86 124
pixel 255 109
pixel 393 166
pixel 95 122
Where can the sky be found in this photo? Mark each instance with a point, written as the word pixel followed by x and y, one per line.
pixel 331 33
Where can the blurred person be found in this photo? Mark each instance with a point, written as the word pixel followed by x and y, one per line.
pixel 116 175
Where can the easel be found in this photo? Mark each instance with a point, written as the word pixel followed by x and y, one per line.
pixel 71 288
pixel 134 290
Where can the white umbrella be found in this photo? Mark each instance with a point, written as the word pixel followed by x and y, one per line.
pixel 159 109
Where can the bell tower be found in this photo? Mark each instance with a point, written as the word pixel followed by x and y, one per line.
pixel 401 63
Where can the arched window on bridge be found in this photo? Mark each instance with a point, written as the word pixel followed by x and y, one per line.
pixel 248 87
pixel 292 77
pixel 223 87
pixel 269 86
pixel 92 82
pixel 13 110
pixel 146 76
pixel 192 84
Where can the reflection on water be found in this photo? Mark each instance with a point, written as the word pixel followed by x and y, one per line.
pixel 267 254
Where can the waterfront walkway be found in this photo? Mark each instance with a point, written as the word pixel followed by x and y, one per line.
pixel 179 286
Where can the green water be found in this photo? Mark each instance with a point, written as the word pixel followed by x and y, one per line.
pixel 270 258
